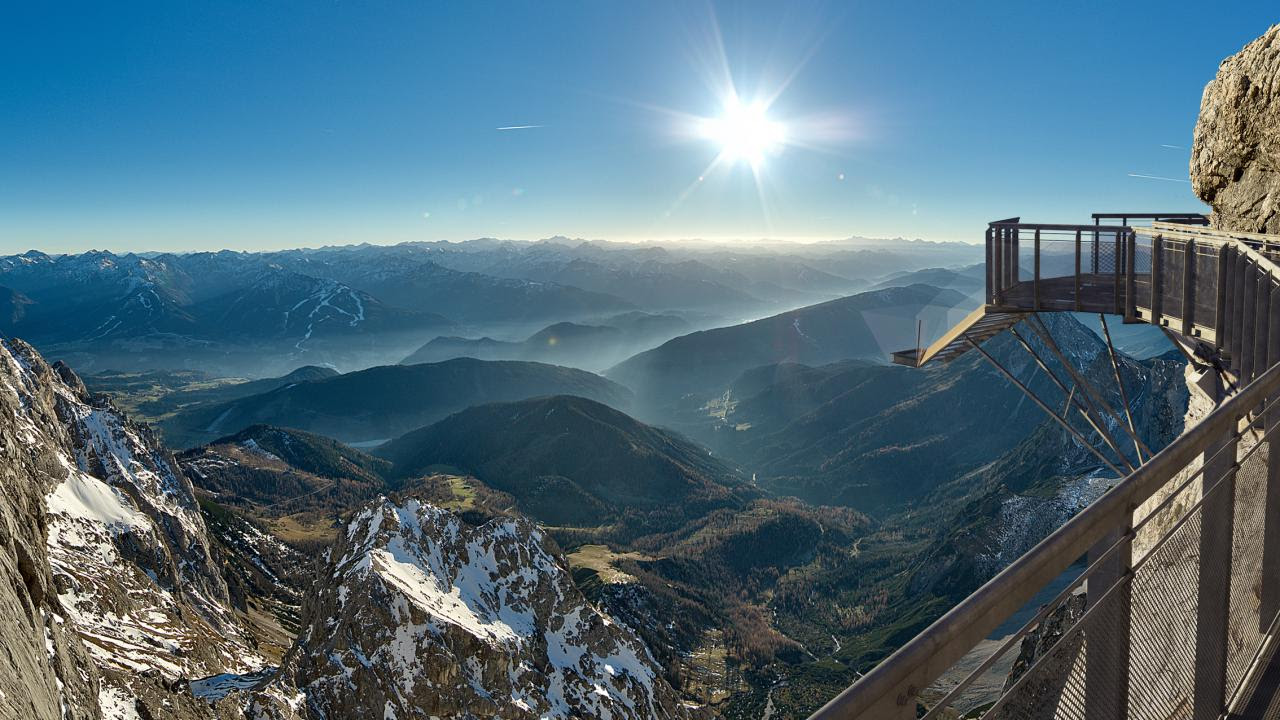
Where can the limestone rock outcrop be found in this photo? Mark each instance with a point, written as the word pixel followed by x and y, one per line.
pixel 419 614
pixel 112 602
pixel 46 671
pixel 1235 158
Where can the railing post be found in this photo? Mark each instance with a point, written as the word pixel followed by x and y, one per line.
pixel 1217 521
pixel 1261 326
pixel 1226 297
pixel 1130 283
pixel 1097 261
pixel 1188 287
pixel 1035 279
pixel 1013 266
pixel 1119 263
pixel 1238 291
pixel 1106 680
pixel 1077 288
pixel 1157 282
pixel 1246 338
pixel 991 267
pixel 1000 263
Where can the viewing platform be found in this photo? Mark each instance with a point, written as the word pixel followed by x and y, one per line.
pixel 1169 599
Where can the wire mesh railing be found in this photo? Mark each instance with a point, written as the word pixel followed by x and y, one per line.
pixel 1168 274
pixel 1055 267
pixel 1170 612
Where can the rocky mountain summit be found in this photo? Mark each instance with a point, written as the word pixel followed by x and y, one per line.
pixel 1235 160
pixel 116 601
pixel 420 614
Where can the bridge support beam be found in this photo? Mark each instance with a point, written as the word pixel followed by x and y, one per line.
pixel 1096 401
pixel 1086 409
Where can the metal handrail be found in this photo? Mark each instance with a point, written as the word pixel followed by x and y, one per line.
pixel 1149 216
pixel 1062 226
pixel 897 680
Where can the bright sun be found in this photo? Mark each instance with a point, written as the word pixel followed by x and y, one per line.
pixel 744 132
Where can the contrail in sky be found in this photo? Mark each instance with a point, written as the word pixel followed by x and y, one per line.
pixel 1157 177
pixel 1172 147
pixel 518 127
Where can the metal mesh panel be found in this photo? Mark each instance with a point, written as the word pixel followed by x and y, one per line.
pixel 1053 684
pixel 1206 281
pixel 1246 631
pixel 1142 254
pixel 1171 267
pixel 1106 253
pixel 1160 602
pixel 1162 650
pixel 1079 675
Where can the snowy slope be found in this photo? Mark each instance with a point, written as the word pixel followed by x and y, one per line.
pixel 424 615
pixel 127 548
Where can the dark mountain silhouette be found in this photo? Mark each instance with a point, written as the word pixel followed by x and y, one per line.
pixel 570 460
pixel 877 436
pixel 387 401
pixel 271 472
pixel 868 326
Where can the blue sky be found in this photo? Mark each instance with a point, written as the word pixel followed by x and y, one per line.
pixel 272 124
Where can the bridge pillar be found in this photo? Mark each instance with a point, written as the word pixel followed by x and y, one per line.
pixel 1262 326
pixel 1223 305
pixel 1217 521
pixel 1236 309
pixel 1245 337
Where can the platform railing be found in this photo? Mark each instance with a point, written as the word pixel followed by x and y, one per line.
pixel 1036 266
pixel 1165 592
pixel 1167 619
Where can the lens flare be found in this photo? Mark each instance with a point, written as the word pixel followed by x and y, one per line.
pixel 744 132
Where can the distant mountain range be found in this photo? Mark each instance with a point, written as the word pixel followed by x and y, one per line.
pixel 968 280
pixel 356 306
pixel 591 347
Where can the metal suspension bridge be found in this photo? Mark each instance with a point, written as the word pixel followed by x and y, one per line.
pixel 1176 611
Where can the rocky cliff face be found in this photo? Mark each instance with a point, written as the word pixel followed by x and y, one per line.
pixel 116 600
pixel 1235 159
pixel 421 615
pixel 47 673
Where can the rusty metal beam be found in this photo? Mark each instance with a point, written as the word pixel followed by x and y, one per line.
pixel 1086 410
pixel 1124 394
pixel 1048 410
pixel 1083 382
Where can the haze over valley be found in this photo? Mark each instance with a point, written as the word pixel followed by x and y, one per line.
pixel 734 472
pixel 581 360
